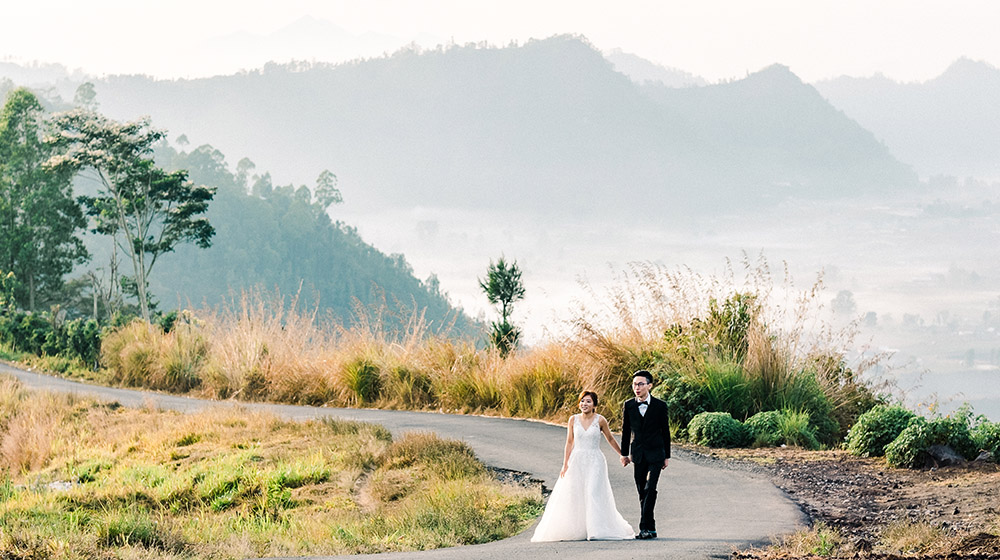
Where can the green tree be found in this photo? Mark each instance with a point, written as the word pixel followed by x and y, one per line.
pixel 7 283
pixel 844 303
pixel 86 96
pixel 244 168
pixel 145 210
pixel 503 286
pixel 327 193
pixel 39 220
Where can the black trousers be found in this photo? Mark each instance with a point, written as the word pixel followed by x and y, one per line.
pixel 646 476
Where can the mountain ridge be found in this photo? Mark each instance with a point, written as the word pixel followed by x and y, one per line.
pixel 548 126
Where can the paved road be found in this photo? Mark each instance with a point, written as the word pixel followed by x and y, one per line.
pixel 703 510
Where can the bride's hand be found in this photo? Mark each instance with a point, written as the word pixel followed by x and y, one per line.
pixel 562 473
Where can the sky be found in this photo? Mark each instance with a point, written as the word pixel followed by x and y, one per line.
pixel 906 40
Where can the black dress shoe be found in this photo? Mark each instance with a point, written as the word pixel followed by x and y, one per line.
pixel 644 534
pixel 652 534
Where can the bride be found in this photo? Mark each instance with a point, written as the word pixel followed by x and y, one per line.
pixel 581 505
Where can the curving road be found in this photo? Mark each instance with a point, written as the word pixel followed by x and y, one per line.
pixel 703 511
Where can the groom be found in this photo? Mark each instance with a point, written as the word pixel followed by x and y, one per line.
pixel 646 430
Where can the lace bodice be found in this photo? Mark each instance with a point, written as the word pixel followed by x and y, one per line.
pixel 589 438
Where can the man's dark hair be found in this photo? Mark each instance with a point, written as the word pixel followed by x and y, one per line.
pixel 644 373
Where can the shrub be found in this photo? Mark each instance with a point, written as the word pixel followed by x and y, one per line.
pixel 362 379
pixel 684 399
pixel 409 387
pixel 986 436
pixel 39 334
pixel 876 429
pixel 717 429
pixel 764 429
pixel 803 392
pixel 796 429
pixel 775 427
pixel 910 448
pixel 727 387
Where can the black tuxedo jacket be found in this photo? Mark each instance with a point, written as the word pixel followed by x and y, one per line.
pixel 647 437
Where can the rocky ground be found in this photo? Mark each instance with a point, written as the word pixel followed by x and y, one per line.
pixel 863 499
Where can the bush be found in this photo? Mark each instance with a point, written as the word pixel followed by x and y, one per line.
pixel 876 429
pixel 764 429
pixel 717 429
pixel 771 428
pixel 39 334
pixel 803 392
pixel 986 436
pixel 727 387
pixel 362 378
pixel 797 429
pixel 909 450
pixel 684 399
pixel 142 355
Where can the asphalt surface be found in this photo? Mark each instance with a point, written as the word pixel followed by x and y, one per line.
pixel 704 510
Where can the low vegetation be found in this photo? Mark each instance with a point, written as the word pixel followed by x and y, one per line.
pixel 735 354
pixel 714 345
pixel 742 345
pixel 905 438
pixel 79 479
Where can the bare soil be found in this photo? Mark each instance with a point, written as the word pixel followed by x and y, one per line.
pixel 861 497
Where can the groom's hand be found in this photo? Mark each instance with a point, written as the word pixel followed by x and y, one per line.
pixel 625 460
pixel 665 461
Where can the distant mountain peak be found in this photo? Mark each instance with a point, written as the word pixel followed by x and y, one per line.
pixel 967 69
pixel 776 77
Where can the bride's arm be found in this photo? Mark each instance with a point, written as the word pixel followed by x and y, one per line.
pixel 569 447
pixel 606 430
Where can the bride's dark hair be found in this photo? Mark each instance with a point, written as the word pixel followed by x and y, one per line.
pixel 591 394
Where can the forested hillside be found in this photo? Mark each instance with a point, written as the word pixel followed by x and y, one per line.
pixel 277 239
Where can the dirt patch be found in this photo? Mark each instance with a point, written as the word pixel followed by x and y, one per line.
pixel 861 497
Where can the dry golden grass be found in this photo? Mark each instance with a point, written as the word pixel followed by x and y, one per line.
pixel 672 322
pixel 911 537
pixel 30 425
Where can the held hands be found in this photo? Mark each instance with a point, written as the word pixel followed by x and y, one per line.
pixel 625 460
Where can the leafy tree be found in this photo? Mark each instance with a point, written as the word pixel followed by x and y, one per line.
pixel 262 186
pixel 844 303
pixel 503 287
pixel 244 168
pixel 39 219
pixel 327 193
pixel 146 210
pixel 86 96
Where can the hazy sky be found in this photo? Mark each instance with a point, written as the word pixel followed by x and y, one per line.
pixel 904 39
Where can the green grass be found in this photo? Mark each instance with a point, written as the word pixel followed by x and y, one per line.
pixel 232 484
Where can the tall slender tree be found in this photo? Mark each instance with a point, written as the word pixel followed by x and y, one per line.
pixel 503 286
pixel 39 220
pixel 145 210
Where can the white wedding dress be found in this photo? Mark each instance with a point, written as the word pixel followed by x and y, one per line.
pixel 581 506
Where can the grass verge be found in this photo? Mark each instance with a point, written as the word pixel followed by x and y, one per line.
pixel 80 479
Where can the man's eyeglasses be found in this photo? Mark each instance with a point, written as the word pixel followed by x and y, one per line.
pixel 639 384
